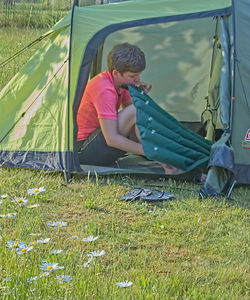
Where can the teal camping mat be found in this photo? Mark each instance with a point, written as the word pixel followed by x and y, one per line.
pixel 166 140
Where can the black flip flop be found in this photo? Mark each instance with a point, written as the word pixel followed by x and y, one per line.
pixel 135 194
pixel 158 196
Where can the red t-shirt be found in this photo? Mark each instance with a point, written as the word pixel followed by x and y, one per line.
pixel 100 100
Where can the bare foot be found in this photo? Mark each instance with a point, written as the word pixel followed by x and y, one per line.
pixel 169 170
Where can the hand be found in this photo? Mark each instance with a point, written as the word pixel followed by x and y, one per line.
pixel 145 87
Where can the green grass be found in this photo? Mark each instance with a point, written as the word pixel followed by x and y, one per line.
pixel 30 18
pixel 180 249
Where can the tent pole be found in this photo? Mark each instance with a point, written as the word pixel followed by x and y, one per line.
pixel 233 66
pixel 68 167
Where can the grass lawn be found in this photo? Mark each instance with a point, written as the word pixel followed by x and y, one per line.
pixel 186 248
pixel 180 249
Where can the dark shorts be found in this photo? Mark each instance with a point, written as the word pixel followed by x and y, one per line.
pixel 95 151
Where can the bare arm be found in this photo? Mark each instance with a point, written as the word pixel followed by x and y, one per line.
pixel 115 139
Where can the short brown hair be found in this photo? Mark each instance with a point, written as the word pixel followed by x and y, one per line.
pixel 126 58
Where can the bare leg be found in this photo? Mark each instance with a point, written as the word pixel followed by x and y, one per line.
pixel 127 121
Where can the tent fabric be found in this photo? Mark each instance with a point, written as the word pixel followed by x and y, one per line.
pixel 127 15
pixel 33 124
pixel 240 118
pixel 28 101
pixel 217 182
pixel 35 160
pixel 164 139
pixel 39 105
pixel 221 164
pixel 230 158
pixel 42 124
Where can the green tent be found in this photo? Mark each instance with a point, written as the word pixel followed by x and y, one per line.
pixel 197 55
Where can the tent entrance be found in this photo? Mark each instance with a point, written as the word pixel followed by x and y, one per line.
pixel 187 50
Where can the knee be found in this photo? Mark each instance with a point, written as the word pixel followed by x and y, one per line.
pixel 130 111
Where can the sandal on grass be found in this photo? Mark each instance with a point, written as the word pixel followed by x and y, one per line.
pixel 135 194
pixel 158 196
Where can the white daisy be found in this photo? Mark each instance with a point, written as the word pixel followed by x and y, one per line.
pixel 2 216
pixel 90 239
pixel 97 253
pixel 63 278
pixel 125 284
pixel 22 250
pixel 32 279
pixel 74 237
pixel 57 224
pixel 43 241
pixel 44 274
pixel 33 206
pixel 36 191
pixel 86 265
pixel 14 245
pixel 4 196
pixel 20 201
pixel 11 215
pixel 55 251
pixel 50 267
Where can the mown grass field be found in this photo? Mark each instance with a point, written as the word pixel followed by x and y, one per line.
pixel 180 249
pixel 186 248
